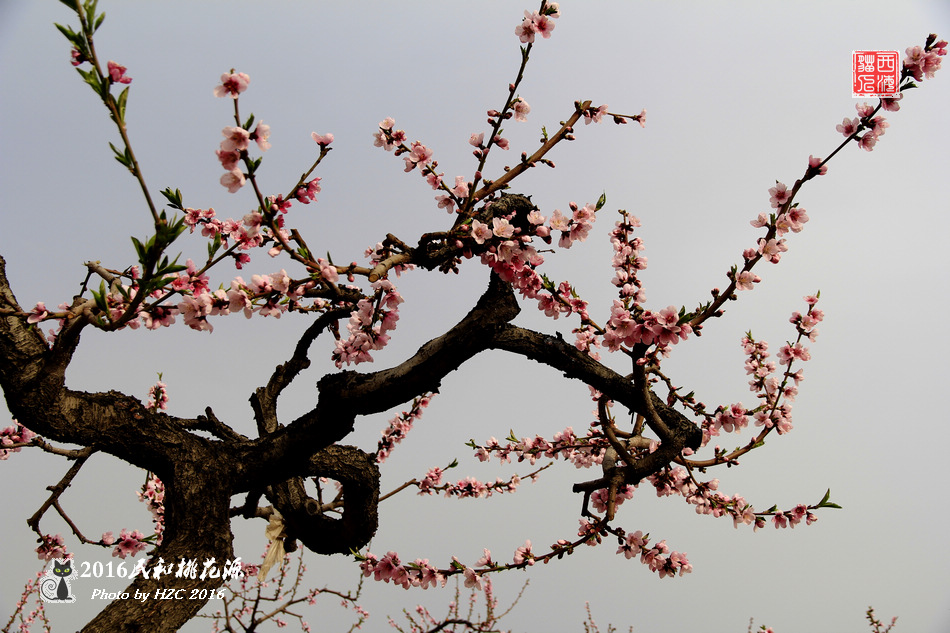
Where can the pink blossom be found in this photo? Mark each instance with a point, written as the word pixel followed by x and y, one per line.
pixel 779 195
pixel 425 575
pixel 524 554
pixel 307 193
pixel 594 115
pixel 543 25
pixel 472 579
pixel 864 110
pixel 867 142
pixel 232 84
pixel 418 154
pixel 129 544
pixel 921 63
pixel 486 560
pixel 233 180
pixel 322 141
pixel 235 139
pixel 527 29
pixel 891 104
pixel 559 222
pixel 38 313
pixel 848 126
pixel 14 434
pixel 745 279
pixel 461 187
pixel 117 73
pixel 328 271
pixel 634 543
pixel 477 139
pixel 195 310
pixel 51 547
pixel 772 249
pixel 813 162
pixel 387 567
pixel 502 228
pixel 229 159
pixel 480 232
pixel 434 180
pixel 521 109
pixel 260 135
pixel 535 24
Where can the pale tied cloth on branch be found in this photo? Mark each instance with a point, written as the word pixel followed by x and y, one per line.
pixel 275 534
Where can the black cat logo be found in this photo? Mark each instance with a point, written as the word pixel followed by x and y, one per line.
pixel 55 586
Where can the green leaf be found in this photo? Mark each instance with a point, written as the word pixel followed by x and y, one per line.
pixel 139 250
pixel 98 22
pixel 67 31
pixel 214 246
pixel 120 103
pixel 121 156
pixel 100 297
pixel 173 197
pixel 249 122
pixel 601 201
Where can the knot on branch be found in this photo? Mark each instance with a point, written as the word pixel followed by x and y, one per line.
pixel 304 518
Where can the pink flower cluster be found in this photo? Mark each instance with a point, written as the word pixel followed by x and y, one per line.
pixel 662 328
pixel 564 443
pixel 16 433
pixel 51 547
pixel 709 501
pixel 471 488
pixel 368 325
pixel 627 259
pixel 389 568
pixel 509 252
pixel 267 295
pixel 924 61
pixel 129 543
pixel 776 394
pixel 153 496
pixel 599 498
pixel 117 73
pixel 594 115
pixel 577 227
pixel 400 426
pixel 158 397
pixel 247 233
pixel 653 557
pixel 418 155
pixel 237 139
pixel 538 23
pixel 728 419
pixel 875 126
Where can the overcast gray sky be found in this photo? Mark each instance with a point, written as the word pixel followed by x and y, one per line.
pixel 738 96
